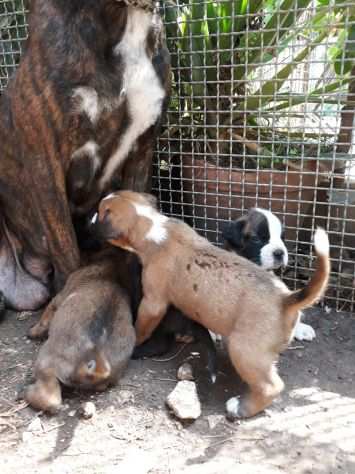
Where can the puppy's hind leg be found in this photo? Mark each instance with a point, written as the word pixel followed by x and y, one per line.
pixel 256 367
pixel 202 334
pixel 40 329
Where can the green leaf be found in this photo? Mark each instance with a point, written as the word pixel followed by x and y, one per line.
pixel 276 28
pixel 267 92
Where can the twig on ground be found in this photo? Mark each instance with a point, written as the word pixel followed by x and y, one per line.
pixel 14 410
pixel 52 428
pixel 166 380
pixel 236 438
pixel 172 357
pixel 293 348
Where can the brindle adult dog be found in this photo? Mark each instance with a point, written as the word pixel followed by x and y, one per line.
pixel 81 113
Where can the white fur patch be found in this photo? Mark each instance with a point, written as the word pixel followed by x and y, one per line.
pixel 232 407
pixel 304 332
pixel 89 103
pixel 143 90
pixel 90 148
pixel 275 244
pixel 109 196
pixel 157 232
pixel 94 218
pixel 279 284
pixel 321 242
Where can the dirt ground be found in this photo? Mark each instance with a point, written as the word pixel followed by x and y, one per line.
pixel 309 429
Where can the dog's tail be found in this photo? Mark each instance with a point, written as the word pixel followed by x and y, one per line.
pixel 308 295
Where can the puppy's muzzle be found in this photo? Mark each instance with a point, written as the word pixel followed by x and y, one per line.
pixel 102 229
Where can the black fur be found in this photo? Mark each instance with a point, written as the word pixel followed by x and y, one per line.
pixel 247 235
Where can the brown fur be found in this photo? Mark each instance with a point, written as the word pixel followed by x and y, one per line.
pixel 226 293
pixel 91 336
pixel 70 45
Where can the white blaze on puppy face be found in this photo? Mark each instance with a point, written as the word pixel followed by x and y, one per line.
pixel 88 102
pixel 109 196
pixel 275 245
pixel 157 232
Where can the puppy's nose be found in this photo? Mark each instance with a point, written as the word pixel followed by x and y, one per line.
pixel 278 254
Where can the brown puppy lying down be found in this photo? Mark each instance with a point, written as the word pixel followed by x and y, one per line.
pixel 231 296
pixel 91 336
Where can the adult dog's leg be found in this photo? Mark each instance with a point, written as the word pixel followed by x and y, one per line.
pixel 137 171
pixel 54 215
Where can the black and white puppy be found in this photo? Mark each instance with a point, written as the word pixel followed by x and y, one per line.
pixel 259 237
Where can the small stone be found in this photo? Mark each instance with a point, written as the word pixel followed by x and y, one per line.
pixel 24 315
pixel 27 437
pixel 184 401
pixel 214 420
pixel 185 372
pixel 72 413
pixel 87 410
pixel 35 426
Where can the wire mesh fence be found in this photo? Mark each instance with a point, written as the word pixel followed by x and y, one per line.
pixel 13 31
pixel 262 114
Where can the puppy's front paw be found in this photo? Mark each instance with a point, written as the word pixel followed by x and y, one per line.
pixel 304 332
pixel 234 409
pixel 42 396
pixel 38 331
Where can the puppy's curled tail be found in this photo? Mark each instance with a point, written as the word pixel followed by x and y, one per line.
pixel 308 295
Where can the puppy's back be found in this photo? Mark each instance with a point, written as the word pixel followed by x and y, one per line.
pixel 91 336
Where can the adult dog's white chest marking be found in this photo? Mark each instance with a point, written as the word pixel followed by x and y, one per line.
pixel 143 90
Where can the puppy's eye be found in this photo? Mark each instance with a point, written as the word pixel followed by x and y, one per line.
pixel 91 365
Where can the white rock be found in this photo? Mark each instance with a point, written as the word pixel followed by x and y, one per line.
pixel 214 420
pixel 87 410
pixel 27 437
pixel 35 426
pixel 184 401
pixel 185 372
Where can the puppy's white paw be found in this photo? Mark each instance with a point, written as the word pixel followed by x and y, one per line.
pixel 232 408
pixel 304 332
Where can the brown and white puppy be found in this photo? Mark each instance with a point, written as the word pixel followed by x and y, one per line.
pixel 175 326
pixel 81 112
pixel 231 296
pixel 91 335
pixel 259 237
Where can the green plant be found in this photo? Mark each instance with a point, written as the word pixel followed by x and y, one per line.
pixel 218 48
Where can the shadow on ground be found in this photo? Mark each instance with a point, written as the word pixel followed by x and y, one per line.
pixel 310 429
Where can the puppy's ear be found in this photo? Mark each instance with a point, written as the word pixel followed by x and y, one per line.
pixel 152 200
pixel 233 232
